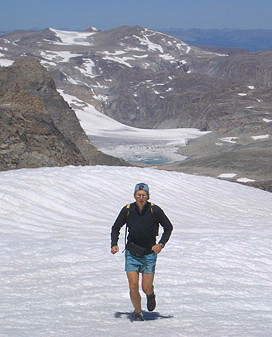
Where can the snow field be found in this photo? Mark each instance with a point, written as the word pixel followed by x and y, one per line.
pixel 58 277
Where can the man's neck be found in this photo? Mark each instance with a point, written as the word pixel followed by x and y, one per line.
pixel 141 208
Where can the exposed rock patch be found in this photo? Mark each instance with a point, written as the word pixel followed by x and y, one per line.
pixel 38 128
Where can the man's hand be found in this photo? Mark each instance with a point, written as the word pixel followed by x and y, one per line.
pixel 157 248
pixel 114 249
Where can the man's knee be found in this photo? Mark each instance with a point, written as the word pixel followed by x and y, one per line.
pixel 147 288
pixel 133 286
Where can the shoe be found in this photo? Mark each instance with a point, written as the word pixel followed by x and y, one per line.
pixel 151 302
pixel 139 317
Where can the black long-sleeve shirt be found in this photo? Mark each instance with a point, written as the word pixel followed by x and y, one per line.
pixel 142 226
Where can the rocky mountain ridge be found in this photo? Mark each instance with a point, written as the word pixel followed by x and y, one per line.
pixel 147 79
pixel 38 128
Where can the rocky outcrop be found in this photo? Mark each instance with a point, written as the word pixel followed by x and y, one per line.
pixel 38 128
pixel 238 159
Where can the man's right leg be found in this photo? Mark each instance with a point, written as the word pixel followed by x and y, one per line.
pixel 133 279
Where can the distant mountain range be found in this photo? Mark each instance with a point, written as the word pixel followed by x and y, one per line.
pixel 249 39
pixel 149 79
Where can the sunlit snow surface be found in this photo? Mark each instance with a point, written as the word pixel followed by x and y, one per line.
pixel 58 277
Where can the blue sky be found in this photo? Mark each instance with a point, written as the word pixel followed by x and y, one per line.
pixel 154 14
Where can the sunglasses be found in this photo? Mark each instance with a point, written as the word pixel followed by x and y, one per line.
pixel 141 196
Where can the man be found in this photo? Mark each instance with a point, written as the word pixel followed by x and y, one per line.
pixel 142 219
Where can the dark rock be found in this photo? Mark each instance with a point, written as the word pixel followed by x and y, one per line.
pixel 38 128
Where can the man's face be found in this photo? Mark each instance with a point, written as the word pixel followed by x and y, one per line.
pixel 141 198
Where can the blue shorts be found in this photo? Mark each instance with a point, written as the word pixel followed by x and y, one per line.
pixel 145 264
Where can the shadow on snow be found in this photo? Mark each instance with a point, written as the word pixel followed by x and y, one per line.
pixel 148 316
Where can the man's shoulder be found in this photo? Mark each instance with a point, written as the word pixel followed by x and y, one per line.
pixel 128 207
pixel 155 207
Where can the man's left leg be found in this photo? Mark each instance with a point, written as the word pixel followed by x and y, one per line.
pixel 148 289
pixel 147 283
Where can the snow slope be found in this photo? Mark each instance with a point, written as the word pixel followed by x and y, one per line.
pixel 150 146
pixel 58 277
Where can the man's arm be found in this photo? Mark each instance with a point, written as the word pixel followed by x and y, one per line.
pixel 165 223
pixel 115 229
